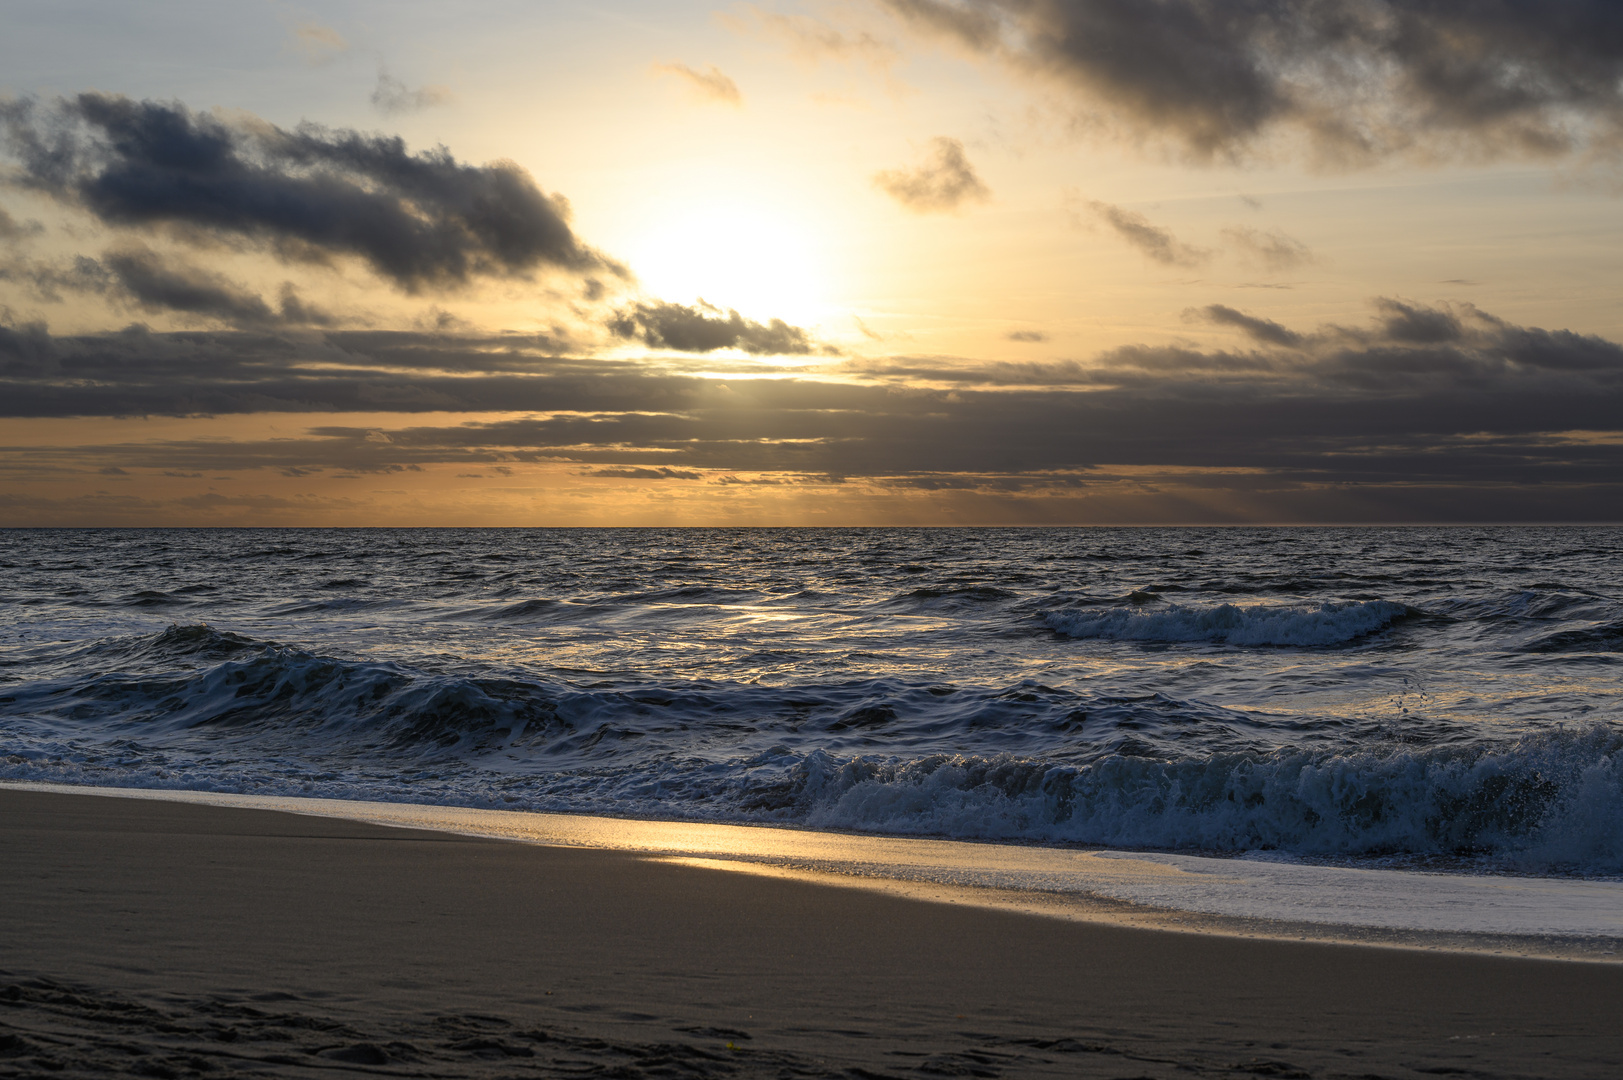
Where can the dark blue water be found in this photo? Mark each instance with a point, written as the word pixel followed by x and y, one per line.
pixel 1450 695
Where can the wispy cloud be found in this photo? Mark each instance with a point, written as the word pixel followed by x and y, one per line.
pixel 1270 249
pixel 813 40
pixel 391 97
pixel 710 85
pixel 318 44
pixel 13 230
pixel 1153 241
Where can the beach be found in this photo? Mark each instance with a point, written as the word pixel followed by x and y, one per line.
pixel 171 939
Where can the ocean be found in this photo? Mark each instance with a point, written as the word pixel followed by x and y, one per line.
pixel 1437 699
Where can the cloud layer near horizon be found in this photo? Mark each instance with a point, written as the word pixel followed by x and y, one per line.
pixel 1419 395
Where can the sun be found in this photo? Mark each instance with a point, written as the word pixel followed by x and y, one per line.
pixel 760 261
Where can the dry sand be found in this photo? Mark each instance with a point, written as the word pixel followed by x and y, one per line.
pixel 168 939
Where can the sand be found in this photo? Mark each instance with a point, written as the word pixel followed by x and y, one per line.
pixel 168 939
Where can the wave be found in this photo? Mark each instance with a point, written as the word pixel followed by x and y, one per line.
pixel 1548 801
pixel 1228 624
pixel 287 699
pixel 955 594
pixel 1606 637
pixel 152 598
pixel 197 707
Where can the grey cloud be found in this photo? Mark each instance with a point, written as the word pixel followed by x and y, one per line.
pixel 1264 330
pixel 155 285
pixel 14 230
pixel 648 474
pixel 974 25
pixel 1153 241
pixel 135 276
pixel 710 85
pixel 1272 249
pixel 958 372
pixel 420 220
pixel 1416 324
pixel 944 181
pixel 1363 79
pixel 392 97
pixel 48 280
pixel 662 325
pixel 1154 363
pixel 1027 336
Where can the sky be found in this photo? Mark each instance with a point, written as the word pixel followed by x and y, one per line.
pixel 856 262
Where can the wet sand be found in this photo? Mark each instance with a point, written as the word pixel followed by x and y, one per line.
pixel 170 939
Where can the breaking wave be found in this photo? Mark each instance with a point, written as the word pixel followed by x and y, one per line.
pixel 1550 801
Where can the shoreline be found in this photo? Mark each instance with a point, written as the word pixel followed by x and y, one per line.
pixel 184 939
pixel 1160 891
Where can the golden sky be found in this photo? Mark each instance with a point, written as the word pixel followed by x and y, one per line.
pixel 898 261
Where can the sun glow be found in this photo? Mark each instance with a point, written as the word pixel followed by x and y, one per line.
pixel 761 262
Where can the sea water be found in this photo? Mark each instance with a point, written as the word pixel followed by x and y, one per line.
pixel 1445 699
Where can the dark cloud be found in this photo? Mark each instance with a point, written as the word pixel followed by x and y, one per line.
pixel 944 181
pixel 1027 336
pixel 1153 241
pixel 710 85
pixel 391 97
pixel 419 220
pixel 661 325
pixel 1271 249
pixel 1363 79
pixel 1417 324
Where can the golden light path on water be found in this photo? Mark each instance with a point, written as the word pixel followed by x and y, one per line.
pixel 1581 919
